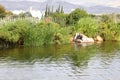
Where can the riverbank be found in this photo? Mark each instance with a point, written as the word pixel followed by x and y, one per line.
pixel 56 27
pixel 30 33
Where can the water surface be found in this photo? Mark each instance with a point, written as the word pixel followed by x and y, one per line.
pixel 62 62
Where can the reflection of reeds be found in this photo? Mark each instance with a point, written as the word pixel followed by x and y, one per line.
pixel 82 55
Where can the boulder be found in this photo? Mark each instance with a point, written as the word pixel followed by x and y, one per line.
pixel 99 38
pixel 78 40
pixel 81 38
pixel 87 40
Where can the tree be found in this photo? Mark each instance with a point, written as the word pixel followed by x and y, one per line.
pixel 52 9
pixel 59 9
pixel 75 15
pixel 49 12
pixel 2 11
pixel 9 13
pixel 46 11
pixel 62 11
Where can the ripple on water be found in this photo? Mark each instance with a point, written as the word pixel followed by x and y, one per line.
pixel 91 62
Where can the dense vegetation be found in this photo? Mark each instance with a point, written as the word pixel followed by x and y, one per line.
pixel 56 27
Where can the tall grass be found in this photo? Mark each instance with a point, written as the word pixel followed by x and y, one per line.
pixel 41 34
pixel 107 31
pixel 14 31
pixel 47 33
pixel 4 21
pixel 33 33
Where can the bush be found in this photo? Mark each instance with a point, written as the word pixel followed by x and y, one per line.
pixel 87 26
pixel 75 15
pixel 13 32
pixel 41 34
pixel 63 35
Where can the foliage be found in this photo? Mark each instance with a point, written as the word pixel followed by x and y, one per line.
pixel 41 34
pixel 2 11
pixel 59 18
pixel 87 26
pixel 75 15
pixel 13 32
pixel 26 14
pixel 47 33
pixel 107 18
pixel 109 27
pixel 55 27
pixel 49 11
pixel 110 31
pixel 63 35
pixel 117 32
pixel 32 33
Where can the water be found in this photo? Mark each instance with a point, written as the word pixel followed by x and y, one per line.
pixel 62 62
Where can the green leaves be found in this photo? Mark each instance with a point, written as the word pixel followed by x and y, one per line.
pixel 2 11
pixel 87 26
pixel 41 34
pixel 75 15
pixel 13 31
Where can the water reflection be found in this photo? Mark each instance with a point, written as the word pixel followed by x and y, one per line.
pixel 75 53
pixel 62 62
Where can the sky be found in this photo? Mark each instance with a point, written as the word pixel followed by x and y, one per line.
pixel 111 3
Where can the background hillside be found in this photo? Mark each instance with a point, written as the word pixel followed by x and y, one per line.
pixel 68 7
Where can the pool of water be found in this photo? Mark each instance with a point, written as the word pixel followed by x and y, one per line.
pixel 62 62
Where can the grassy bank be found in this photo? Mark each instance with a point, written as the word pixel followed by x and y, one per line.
pixel 30 33
pixel 57 28
pixel 37 33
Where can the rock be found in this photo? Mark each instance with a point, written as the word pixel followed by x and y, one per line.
pixel 71 40
pixel 84 36
pixel 87 40
pixel 81 38
pixel 99 38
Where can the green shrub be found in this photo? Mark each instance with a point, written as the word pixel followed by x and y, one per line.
pixel 41 34
pixel 13 31
pixel 110 31
pixel 75 15
pixel 87 26
pixel 63 35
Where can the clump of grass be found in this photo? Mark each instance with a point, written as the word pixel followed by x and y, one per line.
pixel 41 34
